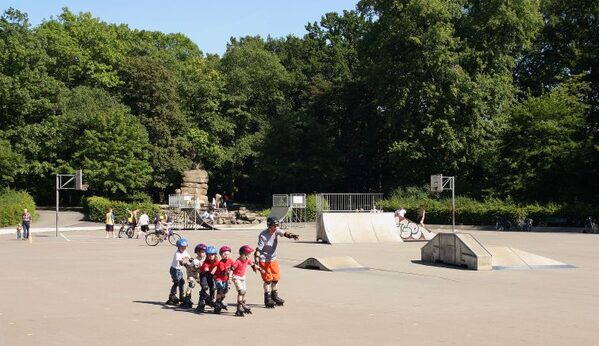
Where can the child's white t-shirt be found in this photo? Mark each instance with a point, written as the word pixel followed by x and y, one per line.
pixel 177 257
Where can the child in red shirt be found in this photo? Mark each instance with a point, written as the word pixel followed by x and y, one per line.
pixel 221 278
pixel 239 267
pixel 207 271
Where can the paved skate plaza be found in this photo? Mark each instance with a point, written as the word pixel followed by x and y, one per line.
pixel 95 291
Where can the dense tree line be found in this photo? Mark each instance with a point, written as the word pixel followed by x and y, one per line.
pixel 504 95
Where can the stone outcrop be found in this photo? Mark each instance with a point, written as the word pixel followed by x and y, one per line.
pixel 195 183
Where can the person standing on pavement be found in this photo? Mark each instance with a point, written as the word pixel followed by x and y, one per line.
pixel 109 220
pixel 266 256
pixel 26 223
pixel 144 223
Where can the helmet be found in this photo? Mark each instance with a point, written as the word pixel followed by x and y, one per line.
pixel 224 249
pixel 200 247
pixel 271 220
pixel 246 249
pixel 182 242
pixel 211 250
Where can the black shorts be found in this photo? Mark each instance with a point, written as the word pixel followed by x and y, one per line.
pixel 145 228
pixel 109 228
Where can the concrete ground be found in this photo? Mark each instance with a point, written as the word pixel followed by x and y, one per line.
pixel 82 289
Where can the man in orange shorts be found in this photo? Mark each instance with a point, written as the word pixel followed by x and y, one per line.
pixel 266 256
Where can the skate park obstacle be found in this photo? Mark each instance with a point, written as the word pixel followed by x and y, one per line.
pixel 463 250
pixel 332 264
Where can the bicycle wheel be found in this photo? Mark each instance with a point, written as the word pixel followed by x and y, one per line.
pixel 172 238
pixel 152 239
pixel 130 232
pixel 121 231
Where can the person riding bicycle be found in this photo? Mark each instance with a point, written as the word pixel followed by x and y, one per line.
pixel 160 225
pixel 181 256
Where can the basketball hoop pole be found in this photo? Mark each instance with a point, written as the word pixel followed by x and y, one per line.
pixel 439 183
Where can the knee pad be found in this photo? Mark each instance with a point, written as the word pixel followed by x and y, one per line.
pixel 192 284
pixel 181 282
pixel 267 282
pixel 204 288
pixel 274 282
pixel 222 291
pixel 241 292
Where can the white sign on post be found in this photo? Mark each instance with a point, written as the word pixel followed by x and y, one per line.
pixel 437 183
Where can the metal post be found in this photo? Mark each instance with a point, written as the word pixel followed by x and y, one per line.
pixel 453 204
pixel 57 201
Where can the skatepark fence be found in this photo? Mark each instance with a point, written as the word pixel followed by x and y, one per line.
pixel 347 202
pixel 290 209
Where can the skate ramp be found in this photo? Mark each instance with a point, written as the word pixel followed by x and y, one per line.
pixel 507 258
pixel 463 250
pixel 279 212
pixel 411 231
pixel 457 249
pixel 332 264
pixel 334 228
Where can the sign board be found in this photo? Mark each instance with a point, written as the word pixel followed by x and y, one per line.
pixel 437 183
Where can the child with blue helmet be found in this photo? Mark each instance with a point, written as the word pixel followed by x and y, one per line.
pixel 181 256
pixel 207 271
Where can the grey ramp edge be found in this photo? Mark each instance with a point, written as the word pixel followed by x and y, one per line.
pixel 508 258
pixel 355 227
pixel 279 212
pixel 332 263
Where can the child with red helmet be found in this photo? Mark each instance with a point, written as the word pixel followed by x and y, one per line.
pixel 239 267
pixel 207 270
pixel 193 273
pixel 221 278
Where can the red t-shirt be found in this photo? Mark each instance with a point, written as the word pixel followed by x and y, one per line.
pixel 222 270
pixel 208 266
pixel 240 266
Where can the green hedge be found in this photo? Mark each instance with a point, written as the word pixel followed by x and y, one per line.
pixel 12 204
pixel 473 212
pixel 96 207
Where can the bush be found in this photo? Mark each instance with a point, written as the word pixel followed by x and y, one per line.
pixel 473 212
pixel 12 204
pixel 96 207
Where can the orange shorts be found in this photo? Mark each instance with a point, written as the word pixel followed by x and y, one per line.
pixel 270 271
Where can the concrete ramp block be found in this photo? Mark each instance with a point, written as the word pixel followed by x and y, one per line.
pixel 332 264
pixel 458 249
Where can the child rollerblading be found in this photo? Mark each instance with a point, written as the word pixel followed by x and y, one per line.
pixel 239 267
pixel 207 271
pixel 179 258
pixel 221 278
pixel 266 256
pixel 193 273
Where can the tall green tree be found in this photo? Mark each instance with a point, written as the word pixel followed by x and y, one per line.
pixel 542 146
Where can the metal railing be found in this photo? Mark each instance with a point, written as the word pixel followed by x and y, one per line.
pixel 183 201
pixel 346 202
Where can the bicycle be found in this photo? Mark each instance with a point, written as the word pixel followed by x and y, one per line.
pixel 591 226
pixel 502 224
pixel 128 231
pixel 153 238
pixel 526 225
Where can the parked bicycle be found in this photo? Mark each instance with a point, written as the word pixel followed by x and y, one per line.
pixel 126 229
pixel 526 225
pixel 591 226
pixel 502 223
pixel 153 238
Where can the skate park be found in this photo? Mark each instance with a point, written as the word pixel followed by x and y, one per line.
pixel 80 288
